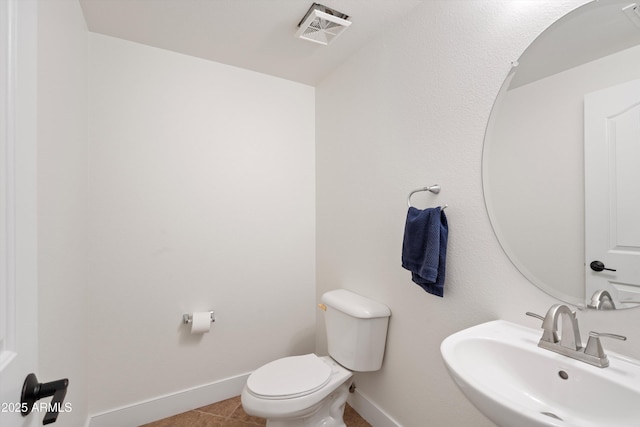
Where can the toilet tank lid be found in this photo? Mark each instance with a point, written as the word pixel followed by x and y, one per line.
pixel 355 305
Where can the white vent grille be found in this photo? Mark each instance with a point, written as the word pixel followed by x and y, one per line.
pixel 321 27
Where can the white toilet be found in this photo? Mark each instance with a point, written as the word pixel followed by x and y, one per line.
pixel 311 391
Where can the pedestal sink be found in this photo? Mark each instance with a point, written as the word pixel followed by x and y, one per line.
pixel 502 371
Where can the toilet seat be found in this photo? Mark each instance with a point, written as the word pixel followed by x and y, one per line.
pixel 289 377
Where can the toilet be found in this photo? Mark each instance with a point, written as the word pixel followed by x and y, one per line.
pixel 310 390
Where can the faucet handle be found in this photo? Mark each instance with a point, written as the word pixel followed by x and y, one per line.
pixel 548 336
pixel 607 335
pixel 594 346
pixel 537 316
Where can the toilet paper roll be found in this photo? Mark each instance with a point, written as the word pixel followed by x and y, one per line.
pixel 201 322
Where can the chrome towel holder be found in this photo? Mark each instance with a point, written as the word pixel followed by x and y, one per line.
pixel 435 189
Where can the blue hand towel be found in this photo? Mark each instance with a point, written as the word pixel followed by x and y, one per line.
pixel 424 248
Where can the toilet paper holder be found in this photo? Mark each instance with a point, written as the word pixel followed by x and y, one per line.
pixel 188 318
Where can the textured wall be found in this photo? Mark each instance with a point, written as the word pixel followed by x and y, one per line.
pixel 410 110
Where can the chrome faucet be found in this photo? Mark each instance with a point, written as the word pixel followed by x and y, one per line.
pixel 569 343
pixel 602 300
pixel 570 337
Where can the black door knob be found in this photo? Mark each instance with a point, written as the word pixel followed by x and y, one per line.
pixel 32 391
pixel 599 266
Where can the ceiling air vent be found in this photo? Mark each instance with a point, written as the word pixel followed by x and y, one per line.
pixel 322 24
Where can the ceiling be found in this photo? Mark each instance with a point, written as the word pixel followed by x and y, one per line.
pixel 253 34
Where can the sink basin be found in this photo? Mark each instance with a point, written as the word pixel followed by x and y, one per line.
pixel 502 371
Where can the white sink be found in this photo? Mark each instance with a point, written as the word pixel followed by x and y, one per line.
pixel 502 371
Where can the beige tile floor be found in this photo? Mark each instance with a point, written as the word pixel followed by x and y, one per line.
pixel 229 413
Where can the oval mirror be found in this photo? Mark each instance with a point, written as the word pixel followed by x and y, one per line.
pixel 561 158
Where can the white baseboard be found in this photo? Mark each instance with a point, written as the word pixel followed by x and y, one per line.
pixel 371 412
pixel 171 404
pixel 186 400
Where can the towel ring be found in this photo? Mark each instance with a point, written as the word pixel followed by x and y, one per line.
pixel 435 189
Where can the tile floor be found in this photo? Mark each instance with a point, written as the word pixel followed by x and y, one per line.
pixel 229 413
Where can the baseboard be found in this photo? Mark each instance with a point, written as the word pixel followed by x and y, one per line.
pixel 171 404
pixel 186 400
pixel 371 412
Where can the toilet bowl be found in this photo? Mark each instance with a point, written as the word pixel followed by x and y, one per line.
pixel 298 391
pixel 311 391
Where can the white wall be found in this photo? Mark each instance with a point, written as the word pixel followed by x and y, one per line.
pixel 410 110
pixel 62 201
pixel 201 182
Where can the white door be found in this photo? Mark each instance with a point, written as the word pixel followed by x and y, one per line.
pixel 18 251
pixel 612 191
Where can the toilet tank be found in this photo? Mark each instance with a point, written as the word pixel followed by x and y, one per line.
pixel 356 329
